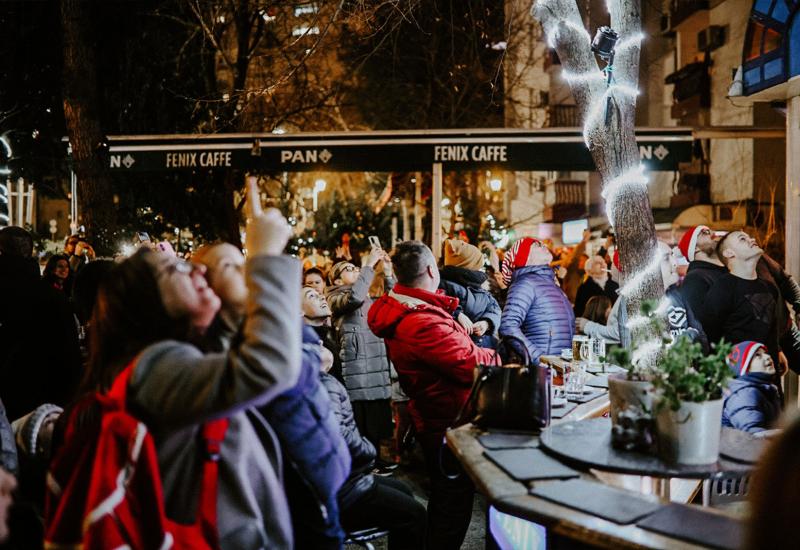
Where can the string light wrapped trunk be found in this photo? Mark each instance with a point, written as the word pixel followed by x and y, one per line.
pixel 607 99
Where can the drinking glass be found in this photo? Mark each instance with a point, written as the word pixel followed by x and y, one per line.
pixel 574 380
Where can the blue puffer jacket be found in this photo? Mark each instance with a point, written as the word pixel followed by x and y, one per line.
pixel 308 429
pixel 538 312
pixel 753 404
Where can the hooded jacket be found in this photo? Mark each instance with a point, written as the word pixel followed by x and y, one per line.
pixel 753 404
pixel 434 356
pixel 700 277
pixel 174 388
pixel 473 301
pixel 538 312
pixel 365 367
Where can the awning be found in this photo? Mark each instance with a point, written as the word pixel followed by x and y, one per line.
pixel 552 149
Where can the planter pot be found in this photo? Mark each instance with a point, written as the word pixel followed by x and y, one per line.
pixel 691 434
pixel 631 412
pixel 625 394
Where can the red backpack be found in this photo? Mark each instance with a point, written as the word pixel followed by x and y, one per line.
pixel 104 487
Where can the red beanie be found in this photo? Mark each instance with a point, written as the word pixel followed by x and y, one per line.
pixel 615 260
pixel 688 242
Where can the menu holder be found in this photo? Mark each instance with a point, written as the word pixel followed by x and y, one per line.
pixel 508 440
pixel 588 395
pixel 529 464
pixel 561 412
pixel 692 524
pixel 616 505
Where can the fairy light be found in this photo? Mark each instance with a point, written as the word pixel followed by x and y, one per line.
pixel 612 189
pixel 575 78
pixel 645 350
pixel 640 321
pixel 626 43
pixel 633 284
pixel 556 32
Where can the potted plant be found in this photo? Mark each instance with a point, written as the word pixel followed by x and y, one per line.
pixel 689 404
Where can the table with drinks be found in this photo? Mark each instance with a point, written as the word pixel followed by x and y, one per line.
pixel 539 498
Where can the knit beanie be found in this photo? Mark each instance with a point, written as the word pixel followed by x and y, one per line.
pixel 615 260
pixel 516 257
pixel 457 253
pixel 741 355
pixel 28 430
pixel 688 242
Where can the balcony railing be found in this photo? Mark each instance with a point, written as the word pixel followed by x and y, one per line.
pixel 570 201
pixel 560 116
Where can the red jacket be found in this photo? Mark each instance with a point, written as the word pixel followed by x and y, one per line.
pixel 434 356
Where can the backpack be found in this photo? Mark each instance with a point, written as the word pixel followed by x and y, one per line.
pixel 104 487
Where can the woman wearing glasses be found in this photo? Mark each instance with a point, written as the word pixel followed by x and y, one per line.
pixel 147 314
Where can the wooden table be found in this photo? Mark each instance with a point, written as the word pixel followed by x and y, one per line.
pixel 564 525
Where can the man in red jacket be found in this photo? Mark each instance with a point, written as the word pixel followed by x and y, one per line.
pixel 435 358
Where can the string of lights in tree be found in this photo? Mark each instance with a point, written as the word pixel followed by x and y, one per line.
pixel 607 44
pixel 4 171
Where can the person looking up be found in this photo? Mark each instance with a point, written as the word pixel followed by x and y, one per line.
pixel 752 402
pixel 314 278
pixel 537 312
pixel 365 367
pixel 699 246
pixel 462 277
pixel 57 273
pixel 148 311
pixel 612 330
pixel 740 306
pixel 317 315
pixel 597 283
pixel 435 359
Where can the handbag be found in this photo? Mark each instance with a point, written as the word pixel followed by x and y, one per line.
pixel 513 396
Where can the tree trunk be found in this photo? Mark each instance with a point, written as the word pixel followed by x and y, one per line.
pixel 89 152
pixel 612 142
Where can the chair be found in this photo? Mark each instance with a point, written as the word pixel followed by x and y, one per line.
pixel 364 537
pixel 726 489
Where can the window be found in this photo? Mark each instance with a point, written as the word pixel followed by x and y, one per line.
pixel 771 52
pixel 305 9
pixel 300 31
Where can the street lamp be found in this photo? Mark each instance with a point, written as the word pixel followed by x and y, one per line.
pixel 319 187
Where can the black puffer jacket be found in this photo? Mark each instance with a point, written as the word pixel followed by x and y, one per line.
pixel 474 301
pixel 362 452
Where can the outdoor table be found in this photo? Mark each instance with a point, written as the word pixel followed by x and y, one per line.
pixel 587 444
pixel 512 506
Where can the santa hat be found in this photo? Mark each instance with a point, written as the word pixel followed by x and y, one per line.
pixel 688 242
pixel 741 355
pixel 457 253
pixel 615 260
pixel 516 257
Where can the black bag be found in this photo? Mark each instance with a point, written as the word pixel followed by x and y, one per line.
pixel 514 396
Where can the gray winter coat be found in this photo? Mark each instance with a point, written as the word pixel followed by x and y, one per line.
pixel 362 451
pixel 365 366
pixel 175 388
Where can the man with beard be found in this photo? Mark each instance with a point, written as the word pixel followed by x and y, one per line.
pixel 739 305
pixel 699 246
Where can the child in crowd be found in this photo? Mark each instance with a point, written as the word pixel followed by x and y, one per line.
pixel 753 403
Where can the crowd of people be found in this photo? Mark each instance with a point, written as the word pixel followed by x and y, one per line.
pixel 246 402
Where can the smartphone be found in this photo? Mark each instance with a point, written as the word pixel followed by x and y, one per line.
pixel 142 237
pixel 374 241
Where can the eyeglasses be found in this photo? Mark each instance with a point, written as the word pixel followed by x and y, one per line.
pixel 179 266
pixel 350 268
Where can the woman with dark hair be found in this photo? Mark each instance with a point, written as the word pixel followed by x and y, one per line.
pixel 148 310
pixel 597 309
pixel 57 272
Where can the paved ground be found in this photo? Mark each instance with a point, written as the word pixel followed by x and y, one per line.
pixel 413 474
